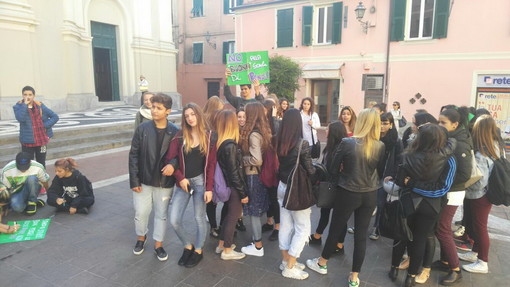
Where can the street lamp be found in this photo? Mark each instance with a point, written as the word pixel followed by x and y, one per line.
pixel 360 12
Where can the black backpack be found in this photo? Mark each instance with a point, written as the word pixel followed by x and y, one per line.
pixel 498 189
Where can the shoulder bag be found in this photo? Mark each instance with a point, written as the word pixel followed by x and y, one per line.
pixel 298 194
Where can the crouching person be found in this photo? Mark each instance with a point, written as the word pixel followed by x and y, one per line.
pixel 70 190
pixel 23 178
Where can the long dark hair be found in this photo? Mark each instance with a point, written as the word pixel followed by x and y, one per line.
pixel 312 105
pixel 459 115
pixel 336 132
pixel 430 138
pixel 256 120
pixel 290 133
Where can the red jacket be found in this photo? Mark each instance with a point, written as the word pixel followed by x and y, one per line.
pixel 176 148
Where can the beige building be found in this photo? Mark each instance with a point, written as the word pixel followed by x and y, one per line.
pixel 81 52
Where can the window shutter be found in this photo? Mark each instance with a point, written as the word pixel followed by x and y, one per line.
pixel 285 29
pixel 338 9
pixel 441 15
pixel 226 8
pixel 225 51
pixel 398 20
pixel 306 37
pixel 239 2
pixel 198 49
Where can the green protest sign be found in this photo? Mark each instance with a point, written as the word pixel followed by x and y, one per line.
pixel 246 67
pixel 29 230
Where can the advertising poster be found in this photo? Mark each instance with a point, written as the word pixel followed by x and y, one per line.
pixel 493 94
pixel 246 67
pixel 29 230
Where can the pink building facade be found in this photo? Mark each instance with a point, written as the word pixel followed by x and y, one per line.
pixel 204 32
pixel 421 53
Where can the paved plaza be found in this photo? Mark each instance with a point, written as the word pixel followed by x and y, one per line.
pixel 96 249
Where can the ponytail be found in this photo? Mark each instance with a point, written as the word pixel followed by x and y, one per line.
pixel 68 164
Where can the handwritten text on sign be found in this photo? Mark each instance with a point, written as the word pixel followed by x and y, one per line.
pixel 246 67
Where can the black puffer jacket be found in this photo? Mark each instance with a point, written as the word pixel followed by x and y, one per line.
pixel 358 174
pixel 230 160
pixel 463 157
pixel 143 155
pixel 288 162
pixel 392 154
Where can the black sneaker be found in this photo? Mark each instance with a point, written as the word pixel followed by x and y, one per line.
pixel 40 203
pixel 31 208
pixel 193 260
pixel 215 232
pixel 315 241
pixel 83 210
pixel 240 225
pixel 140 246
pixel 339 251
pixel 274 235
pixel 267 227
pixel 186 254
pixel 161 254
pixel 440 265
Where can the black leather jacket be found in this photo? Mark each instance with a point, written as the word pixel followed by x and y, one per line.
pixel 358 174
pixel 463 157
pixel 230 160
pixel 143 155
pixel 288 162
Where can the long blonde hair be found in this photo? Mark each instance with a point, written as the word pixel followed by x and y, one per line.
pixel 485 136
pixel 368 129
pixel 200 128
pixel 227 127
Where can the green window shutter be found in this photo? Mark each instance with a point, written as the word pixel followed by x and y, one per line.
pixel 225 51
pixel 239 2
pixel 338 9
pixel 284 28
pixel 398 20
pixel 226 6
pixel 198 8
pixel 198 49
pixel 306 38
pixel 441 15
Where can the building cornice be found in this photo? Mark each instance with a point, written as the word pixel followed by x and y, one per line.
pixel 15 15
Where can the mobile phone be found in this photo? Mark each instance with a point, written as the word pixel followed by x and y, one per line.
pixel 190 190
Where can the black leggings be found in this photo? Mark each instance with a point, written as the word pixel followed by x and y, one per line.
pixel 347 202
pixel 210 210
pixel 421 223
pixel 274 207
pixel 323 222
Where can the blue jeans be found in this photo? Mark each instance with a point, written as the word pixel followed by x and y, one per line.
pixel 28 192
pixel 180 201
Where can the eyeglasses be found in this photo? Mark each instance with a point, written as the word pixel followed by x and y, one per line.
pixel 385 123
pixel 395 105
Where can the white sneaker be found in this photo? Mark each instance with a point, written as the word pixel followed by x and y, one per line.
pixel 294 273
pixel 423 276
pixel 314 265
pixel 469 256
pixel 478 267
pixel 232 255
pixel 460 231
pixel 298 265
pixel 220 249
pixel 252 250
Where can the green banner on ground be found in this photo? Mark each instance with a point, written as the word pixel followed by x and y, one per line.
pixel 29 230
pixel 246 67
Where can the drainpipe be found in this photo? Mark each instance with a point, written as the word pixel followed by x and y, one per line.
pixel 385 96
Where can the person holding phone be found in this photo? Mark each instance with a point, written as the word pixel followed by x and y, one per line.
pixel 195 149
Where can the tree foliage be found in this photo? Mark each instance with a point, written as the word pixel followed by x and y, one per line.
pixel 285 74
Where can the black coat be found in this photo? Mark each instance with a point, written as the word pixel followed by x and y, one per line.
pixel 230 159
pixel 144 159
pixel 288 162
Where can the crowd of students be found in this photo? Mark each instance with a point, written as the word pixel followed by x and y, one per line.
pixel 169 167
pixel 432 161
